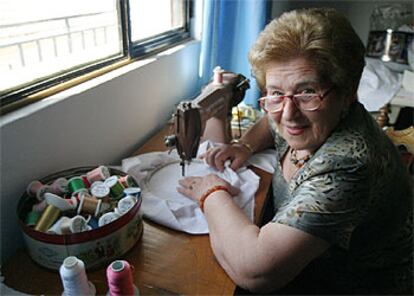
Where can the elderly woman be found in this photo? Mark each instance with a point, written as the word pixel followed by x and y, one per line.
pixel 342 199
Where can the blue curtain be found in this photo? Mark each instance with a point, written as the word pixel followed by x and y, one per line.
pixel 230 28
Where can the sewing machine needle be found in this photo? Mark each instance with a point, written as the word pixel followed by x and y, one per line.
pixel 182 168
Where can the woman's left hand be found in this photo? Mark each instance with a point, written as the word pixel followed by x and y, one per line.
pixel 195 187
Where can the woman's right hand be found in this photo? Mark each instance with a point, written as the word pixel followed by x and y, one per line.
pixel 217 156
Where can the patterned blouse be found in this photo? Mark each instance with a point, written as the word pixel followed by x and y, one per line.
pixel 356 194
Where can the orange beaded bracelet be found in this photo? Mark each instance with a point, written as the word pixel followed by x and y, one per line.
pixel 210 191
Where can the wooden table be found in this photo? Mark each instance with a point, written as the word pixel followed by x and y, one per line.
pixel 166 262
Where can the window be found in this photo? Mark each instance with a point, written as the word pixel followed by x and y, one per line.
pixel 151 18
pixel 46 42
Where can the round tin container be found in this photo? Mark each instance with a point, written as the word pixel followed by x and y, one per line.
pixel 96 247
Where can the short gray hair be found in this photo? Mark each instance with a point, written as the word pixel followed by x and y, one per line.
pixel 323 36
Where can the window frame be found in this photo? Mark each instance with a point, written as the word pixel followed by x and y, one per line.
pixel 19 96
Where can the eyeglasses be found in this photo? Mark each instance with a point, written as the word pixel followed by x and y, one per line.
pixel 305 102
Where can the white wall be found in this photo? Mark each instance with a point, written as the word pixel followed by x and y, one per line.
pixel 99 122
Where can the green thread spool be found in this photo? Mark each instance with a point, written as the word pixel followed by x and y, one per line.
pixel 131 181
pixel 115 187
pixel 75 184
pixel 32 218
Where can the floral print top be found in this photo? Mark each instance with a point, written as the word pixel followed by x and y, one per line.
pixel 356 194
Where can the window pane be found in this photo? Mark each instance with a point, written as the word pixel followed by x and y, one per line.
pixel 150 18
pixel 44 37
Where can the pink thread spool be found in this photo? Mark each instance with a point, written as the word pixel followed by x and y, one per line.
pixel 33 188
pixel 120 280
pixel 59 186
pixel 218 76
pixel 37 189
pixel 128 181
pixel 98 174
pixel 39 207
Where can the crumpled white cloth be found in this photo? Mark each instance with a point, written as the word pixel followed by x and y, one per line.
pixel 378 84
pixel 265 160
pixel 158 173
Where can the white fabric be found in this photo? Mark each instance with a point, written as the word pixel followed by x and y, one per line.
pixel 378 85
pixel 158 173
pixel 265 160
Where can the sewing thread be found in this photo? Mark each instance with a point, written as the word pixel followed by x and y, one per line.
pixel 74 279
pixel 115 187
pixel 98 174
pixel 75 184
pixel 89 205
pixel 120 280
pixel 60 186
pixel 33 188
pixel 86 181
pixel 48 217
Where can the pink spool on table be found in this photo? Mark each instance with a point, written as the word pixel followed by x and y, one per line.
pixel 120 280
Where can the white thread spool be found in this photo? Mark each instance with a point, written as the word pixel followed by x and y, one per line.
pixel 74 280
pixel 125 204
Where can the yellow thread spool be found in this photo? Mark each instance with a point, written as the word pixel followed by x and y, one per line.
pixel 48 217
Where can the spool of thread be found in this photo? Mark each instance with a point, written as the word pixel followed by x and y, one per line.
pixel 66 225
pixel 128 181
pixel 93 223
pixel 78 193
pixel 59 186
pixel 217 75
pixel 98 174
pixel 33 187
pixel 120 280
pixel 74 279
pixel 75 184
pixel 78 224
pixel 86 181
pixel 37 189
pixel 61 203
pixel 89 205
pixel 96 183
pixel 115 187
pixel 40 206
pixel 40 194
pixel 61 226
pixel 134 191
pixel 107 218
pixel 32 218
pixel 100 191
pixel 125 204
pixel 48 217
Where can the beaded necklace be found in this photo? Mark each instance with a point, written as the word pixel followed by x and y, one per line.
pixel 298 162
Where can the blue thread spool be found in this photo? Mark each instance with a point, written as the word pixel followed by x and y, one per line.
pixel 134 191
pixel 93 222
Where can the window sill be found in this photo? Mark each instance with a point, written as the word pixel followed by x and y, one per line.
pixel 80 84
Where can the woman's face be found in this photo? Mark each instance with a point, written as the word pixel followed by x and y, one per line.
pixel 303 130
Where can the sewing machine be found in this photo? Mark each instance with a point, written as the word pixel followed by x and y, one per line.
pixel 225 91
